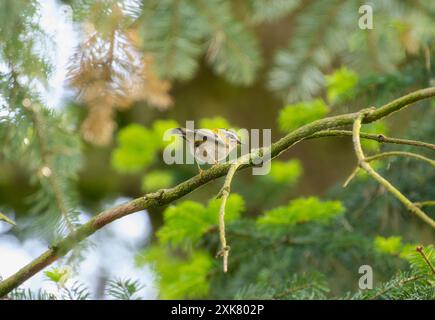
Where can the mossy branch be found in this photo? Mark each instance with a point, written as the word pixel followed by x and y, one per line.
pixel 166 196
pixel 400 154
pixel 364 164
pixel 224 194
pixel 386 155
pixel 381 138
pixel 425 203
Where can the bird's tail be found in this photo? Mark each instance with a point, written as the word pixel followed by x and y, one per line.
pixel 178 131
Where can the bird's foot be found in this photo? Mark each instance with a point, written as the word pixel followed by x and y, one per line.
pixel 201 173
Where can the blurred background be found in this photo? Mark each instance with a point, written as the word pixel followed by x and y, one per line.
pixel 88 87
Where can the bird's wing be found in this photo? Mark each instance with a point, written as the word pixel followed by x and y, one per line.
pixel 209 135
pixel 199 135
pixel 227 133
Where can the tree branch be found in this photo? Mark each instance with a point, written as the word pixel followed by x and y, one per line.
pixel 224 194
pixel 366 166
pixel 385 155
pixel 165 196
pixel 400 154
pixel 425 203
pixel 47 168
pixel 377 137
pixel 420 250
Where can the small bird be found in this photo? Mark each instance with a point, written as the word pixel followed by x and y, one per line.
pixel 209 146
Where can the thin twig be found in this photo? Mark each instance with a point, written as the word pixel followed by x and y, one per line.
pixel 351 176
pixel 401 283
pixel 400 154
pixel 293 290
pixel 370 136
pixel 366 166
pixel 420 250
pixel 224 194
pixel 425 203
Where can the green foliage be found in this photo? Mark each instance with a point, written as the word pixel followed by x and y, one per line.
pixel 236 61
pixel 296 115
pixel 186 223
pixel 136 148
pixel 189 280
pixel 233 50
pixel 137 145
pixel 44 144
pixel 401 31
pixel 71 291
pixel 404 286
pixel 340 85
pixel 286 173
pixel 114 288
pixel 415 284
pixel 173 32
pixel 157 179
pixel 58 275
pixel 216 122
pixel 302 210
pixel 178 32
pixel 269 10
pixel 300 287
pixel 422 260
pixel 119 289
pixel 159 128
pixel 233 209
pixel 297 73
pixel 77 291
pixel 25 53
pixel 408 251
pixel 390 245
pixel 123 289
pixel 28 294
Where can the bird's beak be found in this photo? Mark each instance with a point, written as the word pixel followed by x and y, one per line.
pixel 239 142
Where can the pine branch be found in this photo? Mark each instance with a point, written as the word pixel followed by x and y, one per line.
pixel 401 283
pixel 233 50
pixel 165 196
pixel 47 169
pixel 420 250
